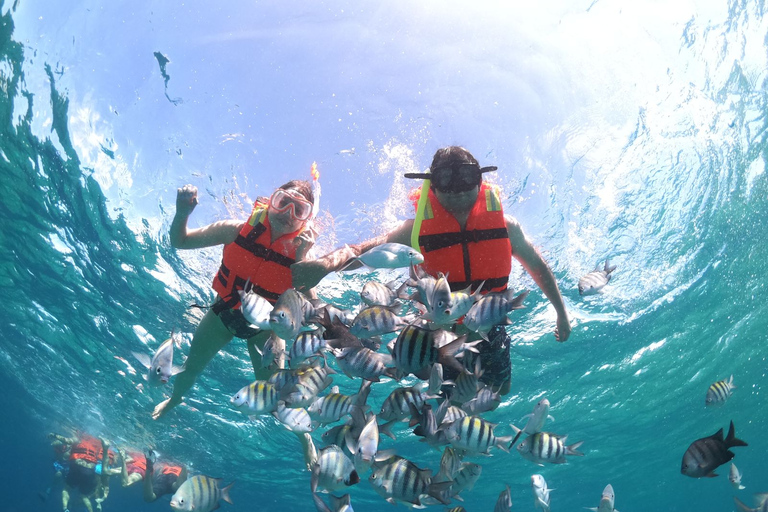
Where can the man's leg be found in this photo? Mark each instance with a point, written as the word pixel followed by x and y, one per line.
pixel 210 337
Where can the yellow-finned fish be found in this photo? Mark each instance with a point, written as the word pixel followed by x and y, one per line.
pixel 719 392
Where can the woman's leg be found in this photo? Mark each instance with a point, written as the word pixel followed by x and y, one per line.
pixel 210 337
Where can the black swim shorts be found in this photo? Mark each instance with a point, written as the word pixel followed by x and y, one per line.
pixel 233 320
pixel 82 478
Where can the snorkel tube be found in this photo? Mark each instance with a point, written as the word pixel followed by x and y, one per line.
pixel 423 198
pixel 315 190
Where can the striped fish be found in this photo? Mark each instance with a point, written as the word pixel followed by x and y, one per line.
pixel 474 435
pixel 307 344
pixel 255 309
pixel 287 317
pixel 544 447
pixel 485 400
pixel 450 462
pixel 398 479
pixel 396 406
pixel 364 363
pixel 200 493
pixel 309 382
pixel 257 398
pixel 504 502
pixel 540 493
pixel 448 413
pixel 296 420
pixel 719 392
pixel 427 426
pixel 593 282
pixel 492 310
pixel 273 352
pixel 465 478
pixel 331 408
pixel 435 379
pixel 461 302
pixel 705 455
pixel 333 470
pixel 378 320
pixel 416 350
pixel 376 294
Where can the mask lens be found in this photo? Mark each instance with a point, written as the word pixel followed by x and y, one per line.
pixel 282 200
pixel 456 178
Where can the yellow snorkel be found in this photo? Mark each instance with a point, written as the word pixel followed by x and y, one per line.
pixel 420 208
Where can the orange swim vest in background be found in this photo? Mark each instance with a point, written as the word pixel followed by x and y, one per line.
pixel 253 256
pixel 88 449
pixel 138 464
pixel 480 252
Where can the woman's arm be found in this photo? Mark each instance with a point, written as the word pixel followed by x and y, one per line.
pixel 218 233
pixel 306 274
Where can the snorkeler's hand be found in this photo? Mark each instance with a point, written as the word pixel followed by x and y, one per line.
pixel 563 329
pixel 186 200
pixel 304 242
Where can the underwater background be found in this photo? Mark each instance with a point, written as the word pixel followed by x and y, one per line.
pixel 629 130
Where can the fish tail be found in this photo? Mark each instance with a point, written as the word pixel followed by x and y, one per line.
pixel 730 383
pixel 741 506
pixel 504 443
pixel 608 268
pixel 731 439
pixel 437 491
pixel 573 449
pixel 225 493
pixel 518 302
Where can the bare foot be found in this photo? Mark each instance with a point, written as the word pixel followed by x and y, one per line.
pixel 162 408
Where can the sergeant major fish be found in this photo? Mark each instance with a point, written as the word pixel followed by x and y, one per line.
pixel 593 282
pixel 705 455
pixel 416 350
pixel 492 310
pixel 257 398
pixel 504 502
pixel 719 392
pixel 333 470
pixel 255 308
pixel 474 435
pixel 200 493
pixel 160 367
pixel 376 294
pixel 287 317
pixel 398 479
pixel 545 447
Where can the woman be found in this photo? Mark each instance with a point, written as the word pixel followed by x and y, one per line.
pixel 259 251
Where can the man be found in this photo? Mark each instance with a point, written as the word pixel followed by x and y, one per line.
pixel 89 470
pixel 461 230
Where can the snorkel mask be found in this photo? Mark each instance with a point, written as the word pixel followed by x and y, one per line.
pixel 289 200
pixel 456 177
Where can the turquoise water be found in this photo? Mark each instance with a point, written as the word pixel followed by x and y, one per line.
pixel 630 130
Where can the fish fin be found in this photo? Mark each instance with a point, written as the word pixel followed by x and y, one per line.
pixel 711 475
pixel 143 359
pixel 177 369
pixel 225 493
pixel 608 268
pixel 731 440
pixel 501 443
pixel 457 497
pixel 550 418
pixel 741 506
pixel 730 383
pixel 593 508
pixel 573 449
pixel 386 429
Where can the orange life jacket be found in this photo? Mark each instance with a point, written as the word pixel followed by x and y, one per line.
pixel 170 470
pixel 480 252
pixel 253 256
pixel 138 464
pixel 88 449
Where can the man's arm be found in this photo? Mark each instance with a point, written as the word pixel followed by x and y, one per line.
pixel 218 233
pixel 306 274
pixel 530 258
